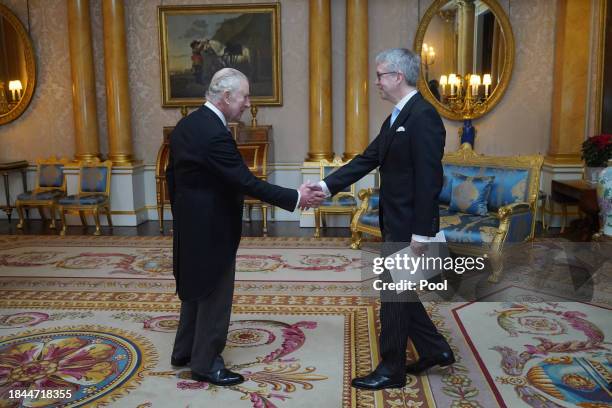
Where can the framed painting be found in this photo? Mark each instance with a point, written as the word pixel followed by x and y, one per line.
pixel 197 41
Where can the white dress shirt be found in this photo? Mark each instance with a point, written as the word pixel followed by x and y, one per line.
pixel 221 116
pixel 400 105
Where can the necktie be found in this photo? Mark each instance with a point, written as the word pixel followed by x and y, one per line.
pixel 394 116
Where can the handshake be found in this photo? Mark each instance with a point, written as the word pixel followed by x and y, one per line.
pixel 311 195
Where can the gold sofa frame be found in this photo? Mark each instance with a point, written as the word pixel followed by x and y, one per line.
pixel 466 156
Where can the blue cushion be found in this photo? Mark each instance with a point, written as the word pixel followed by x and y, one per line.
pixel 44 195
pixel 374 201
pixel 445 193
pixel 51 175
pixel 370 218
pixel 343 201
pixel 93 179
pixel 469 194
pixel 511 185
pixel 83 200
pixel 467 228
pixel 520 227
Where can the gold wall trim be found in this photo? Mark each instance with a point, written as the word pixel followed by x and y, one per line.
pixel 564 159
pixel 601 55
pixel 127 212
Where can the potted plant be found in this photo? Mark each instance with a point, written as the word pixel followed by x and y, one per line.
pixel 596 151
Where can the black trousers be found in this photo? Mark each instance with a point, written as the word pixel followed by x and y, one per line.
pixel 403 317
pixel 203 325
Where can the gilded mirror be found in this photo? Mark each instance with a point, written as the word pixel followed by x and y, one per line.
pixel 17 69
pixel 467 55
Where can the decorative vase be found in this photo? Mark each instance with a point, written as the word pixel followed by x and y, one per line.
pixel 591 174
pixel 604 199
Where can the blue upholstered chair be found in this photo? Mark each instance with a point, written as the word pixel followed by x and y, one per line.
pixel 343 202
pixel 50 187
pixel 93 195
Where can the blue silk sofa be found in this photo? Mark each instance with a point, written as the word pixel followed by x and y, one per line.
pixel 512 204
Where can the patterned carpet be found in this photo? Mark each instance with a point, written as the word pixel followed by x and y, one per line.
pixel 96 316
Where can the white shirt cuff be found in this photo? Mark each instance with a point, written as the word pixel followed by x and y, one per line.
pixel 298 200
pixel 324 188
pixel 421 238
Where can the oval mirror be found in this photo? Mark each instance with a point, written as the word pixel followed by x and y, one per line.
pixel 467 55
pixel 17 68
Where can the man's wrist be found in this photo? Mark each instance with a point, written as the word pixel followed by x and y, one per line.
pixel 324 188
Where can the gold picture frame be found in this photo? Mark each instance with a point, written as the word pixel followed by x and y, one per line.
pixel 196 41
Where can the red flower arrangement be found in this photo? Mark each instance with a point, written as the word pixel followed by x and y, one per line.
pixel 597 150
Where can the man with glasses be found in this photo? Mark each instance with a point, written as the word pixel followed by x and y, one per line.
pixel 408 150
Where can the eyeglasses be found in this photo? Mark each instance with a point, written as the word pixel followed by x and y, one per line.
pixel 379 74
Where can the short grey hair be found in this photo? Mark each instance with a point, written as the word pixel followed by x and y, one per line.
pixel 401 60
pixel 226 79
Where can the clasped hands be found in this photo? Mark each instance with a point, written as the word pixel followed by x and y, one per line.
pixel 311 195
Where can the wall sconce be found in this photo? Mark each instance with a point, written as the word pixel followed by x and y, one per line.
pixel 15 86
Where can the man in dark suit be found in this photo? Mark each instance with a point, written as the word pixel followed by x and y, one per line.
pixel 207 179
pixel 408 150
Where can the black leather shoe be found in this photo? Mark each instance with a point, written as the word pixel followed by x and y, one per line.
pixel 442 359
pixel 179 362
pixel 222 377
pixel 375 381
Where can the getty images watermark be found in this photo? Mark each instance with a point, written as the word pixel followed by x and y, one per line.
pixel 403 266
pixel 546 270
pixel 413 272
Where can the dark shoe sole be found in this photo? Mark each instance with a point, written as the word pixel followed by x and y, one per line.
pixel 201 378
pixel 394 385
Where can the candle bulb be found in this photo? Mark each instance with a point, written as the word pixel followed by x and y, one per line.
pixel 486 81
pixel 15 86
pixel 475 83
pixel 443 82
pixel 452 80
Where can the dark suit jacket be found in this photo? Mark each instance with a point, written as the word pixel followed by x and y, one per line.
pixel 411 175
pixel 207 179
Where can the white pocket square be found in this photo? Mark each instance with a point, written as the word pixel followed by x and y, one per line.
pixel 401 129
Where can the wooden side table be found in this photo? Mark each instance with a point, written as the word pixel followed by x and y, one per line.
pixel 584 194
pixel 6 169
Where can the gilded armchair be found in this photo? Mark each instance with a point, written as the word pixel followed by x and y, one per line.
pixel 93 195
pixel 343 202
pixel 161 185
pixel 50 187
